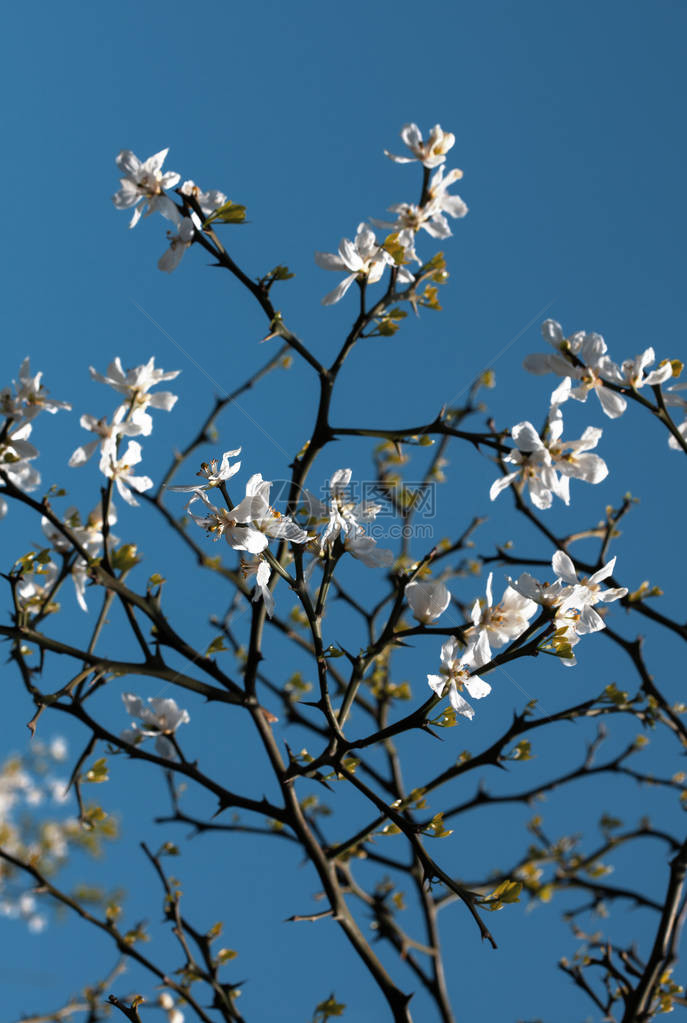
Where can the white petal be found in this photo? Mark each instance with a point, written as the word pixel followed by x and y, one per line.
pixel 437 684
pixel 328 261
pixel 613 404
pixel 603 573
pixel 477 687
pixel 501 484
pixel 526 437
pixel 339 291
pixel 460 705
pixel 564 568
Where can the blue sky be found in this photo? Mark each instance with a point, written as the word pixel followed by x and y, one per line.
pixel 567 129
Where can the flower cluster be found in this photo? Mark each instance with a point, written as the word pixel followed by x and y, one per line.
pixel 569 600
pixel 573 601
pixel 26 783
pixel 583 362
pixel 365 259
pixel 343 520
pixel 250 525
pixel 20 404
pixel 144 188
pixel 546 464
pixel 130 419
pixel 493 626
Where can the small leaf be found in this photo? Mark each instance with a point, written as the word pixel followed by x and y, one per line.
pixel 229 213
pixel 327 1009
pixel 98 772
pixel 216 646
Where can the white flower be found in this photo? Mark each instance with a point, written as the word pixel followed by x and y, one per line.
pixel 545 594
pixel 249 524
pixel 582 358
pixel 208 201
pixel 428 599
pixel 59 789
pixel 535 468
pixel 119 470
pixel 218 522
pixel 455 675
pixel 178 243
pixel 440 202
pixel 15 455
pixel 161 719
pixel 34 587
pixel 571 458
pixel 500 623
pixel 31 397
pixel 430 153
pixel 578 606
pixel 363 258
pixel 135 385
pixel 255 508
pixel 430 216
pixel 342 515
pixel 631 373
pixel 174 1015
pixel 539 460
pixel 58 748
pixel 105 432
pixel 213 473
pixel 16 466
pixel 145 183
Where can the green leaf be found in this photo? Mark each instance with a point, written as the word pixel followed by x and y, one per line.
pixel 98 772
pixel 507 892
pixel 216 646
pixel 328 1009
pixel 436 829
pixel 125 557
pixel 229 213
pixel 280 273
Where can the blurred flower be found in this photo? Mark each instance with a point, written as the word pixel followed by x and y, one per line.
pixel 161 719
pixel 166 1001
pixel 365 549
